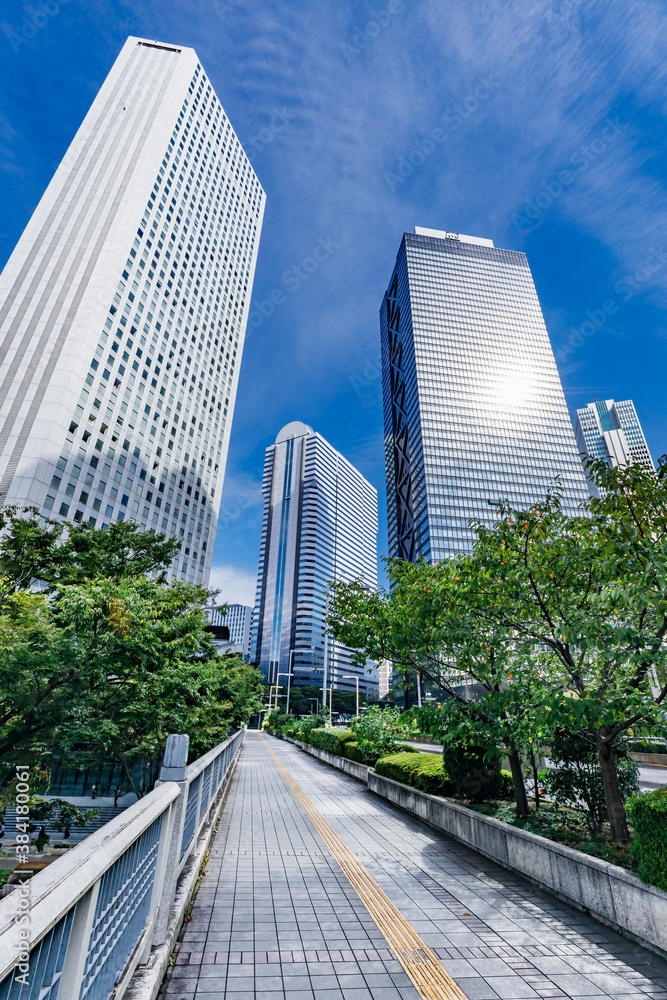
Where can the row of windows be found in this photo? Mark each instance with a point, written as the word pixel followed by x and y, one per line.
pixel 130 293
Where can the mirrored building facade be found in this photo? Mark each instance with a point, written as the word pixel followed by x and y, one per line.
pixel 474 410
pixel 319 524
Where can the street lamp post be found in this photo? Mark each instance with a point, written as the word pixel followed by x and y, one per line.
pixel 273 690
pixel 325 675
pixel 353 677
pixel 282 674
pixel 317 670
pixel 290 667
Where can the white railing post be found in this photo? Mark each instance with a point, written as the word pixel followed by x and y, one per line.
pixel 174 768
pixel 77 949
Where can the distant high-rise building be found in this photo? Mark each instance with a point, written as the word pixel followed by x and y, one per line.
pixel 609 430
pixel 123 311
pixel 238 620
pixel 319 524
pixel 473 405
pixel 385 671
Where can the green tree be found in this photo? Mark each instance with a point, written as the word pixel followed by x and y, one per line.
pixel 59 553
pixel 106 658
pixel 586 597
pixel 427 624
pixel 570 610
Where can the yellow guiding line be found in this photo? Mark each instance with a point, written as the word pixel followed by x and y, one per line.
pixel 421 965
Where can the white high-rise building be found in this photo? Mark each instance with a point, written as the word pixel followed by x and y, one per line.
pixel 320 524
pixel 610 430
pixel 123 311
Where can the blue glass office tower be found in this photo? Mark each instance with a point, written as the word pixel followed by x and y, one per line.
pixel 319 524
pixel 473 405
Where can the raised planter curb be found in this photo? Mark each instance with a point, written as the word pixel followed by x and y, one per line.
pixel 351 767
pixel 607 892
pixel 610 893
pixel 650 758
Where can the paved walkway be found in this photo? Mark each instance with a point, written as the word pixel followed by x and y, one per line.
pixel 277 919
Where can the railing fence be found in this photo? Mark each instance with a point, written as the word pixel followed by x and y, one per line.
pixel 94 915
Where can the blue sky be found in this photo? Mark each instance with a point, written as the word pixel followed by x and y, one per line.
pixel 550 131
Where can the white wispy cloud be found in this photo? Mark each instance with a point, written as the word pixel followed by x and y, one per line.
pixel 236 586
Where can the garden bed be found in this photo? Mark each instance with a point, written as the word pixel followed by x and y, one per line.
pixel 596 844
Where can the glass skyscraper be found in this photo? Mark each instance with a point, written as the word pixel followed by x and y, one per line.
pixel 320 524
pixel 473 405
pixel 123 311
pixel 610 430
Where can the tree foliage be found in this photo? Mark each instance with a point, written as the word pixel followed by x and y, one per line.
pixel 58 553
pixel 557 618
pixel 107 660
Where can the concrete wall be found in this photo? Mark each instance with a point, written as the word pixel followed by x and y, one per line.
pixel 612 894
pixel 650 758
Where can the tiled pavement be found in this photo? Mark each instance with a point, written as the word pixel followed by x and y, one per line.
pixel 276 919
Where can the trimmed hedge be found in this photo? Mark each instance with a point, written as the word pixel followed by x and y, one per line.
pixel 430 776
pixel 424 771
pixel 352 751
pixel 650 744
pixel 346 736
pixel 331 740
pixel 398 766
pixel 648 814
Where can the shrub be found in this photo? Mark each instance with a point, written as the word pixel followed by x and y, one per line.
pixel 329 739
pixel 648 814
pixel 305 726
pixel 430 775
pixel 474 776
pixel 650 744
pixel 275 720
pixel 346 736
pixel 398 766
pixel 408 748
pixel 424 771
pixel 551 821
pixel 352 751
pixel 379 731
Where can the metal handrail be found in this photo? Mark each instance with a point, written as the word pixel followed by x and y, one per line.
pixel 102 906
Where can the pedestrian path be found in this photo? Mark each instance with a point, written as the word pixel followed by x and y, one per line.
pixel 316 889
